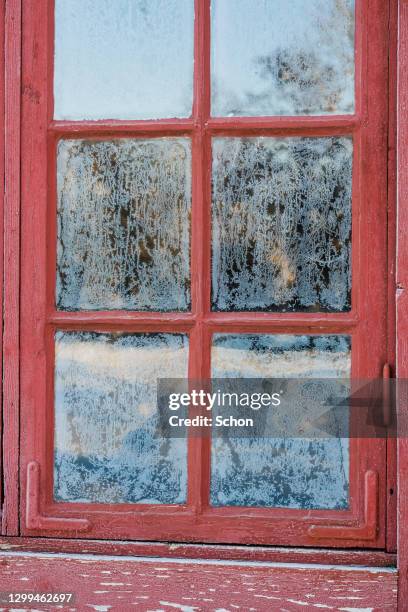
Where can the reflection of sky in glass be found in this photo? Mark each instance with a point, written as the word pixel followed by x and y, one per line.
pixel 105 418
pixel 282 57
pixel 126 59
pixel 289 473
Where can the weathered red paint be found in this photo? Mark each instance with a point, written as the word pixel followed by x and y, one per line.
pixel 391 309
pixel 11 297
pixel 402 296
pixel 110 584
pixel 34 518
pixel 366 531
pixel 197 521
pixel 2 150
pixel 368 558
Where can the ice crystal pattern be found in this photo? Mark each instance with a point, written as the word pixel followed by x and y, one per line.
pixel 124 224
pixel 280 472
pixel 106 416
pixel 281 230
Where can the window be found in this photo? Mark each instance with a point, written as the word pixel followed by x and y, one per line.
pixel 204 193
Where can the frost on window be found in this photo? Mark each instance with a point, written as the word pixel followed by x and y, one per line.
pixel 105 419
pixel 281 230
pixel 272 472
pixel 123 59
pixel 282 57
pixel 124 224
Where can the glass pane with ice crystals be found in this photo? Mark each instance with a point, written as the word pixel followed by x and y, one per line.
pixel 281 224
pixel 106 450
pixel 285 472
pixel 127 59
pixel 124 224
pixel 282 57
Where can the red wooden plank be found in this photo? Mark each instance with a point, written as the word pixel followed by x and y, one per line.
pixel 391 314
pixel 327 556
pixel 34 185
pixel 2 96
pixel 11 266
pixel 402 295
pixel 106 584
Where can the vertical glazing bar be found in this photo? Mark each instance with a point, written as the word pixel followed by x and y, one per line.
pixel 200 265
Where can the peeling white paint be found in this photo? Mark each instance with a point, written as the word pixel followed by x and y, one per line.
pixel 357 609
pixel 179 606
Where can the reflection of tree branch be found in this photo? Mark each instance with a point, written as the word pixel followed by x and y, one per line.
pixel 311 74
pixel 300 77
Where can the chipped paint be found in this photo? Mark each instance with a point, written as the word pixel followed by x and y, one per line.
pixel 202 586
pixel 180 606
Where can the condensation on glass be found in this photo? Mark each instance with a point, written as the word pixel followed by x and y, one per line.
pixel 281 228
pixel 127 59
pixel 106 414
pixel 280 57
pixel 124 224
pixel 271 472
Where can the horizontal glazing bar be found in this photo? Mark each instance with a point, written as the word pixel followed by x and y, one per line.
pixel 121 320
pixel 159 126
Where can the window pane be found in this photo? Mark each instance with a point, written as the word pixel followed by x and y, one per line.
pixel 105 418
pixel 282 57
pixel 281 224
pixel 114 60
pixel 290 473
pixel 124 224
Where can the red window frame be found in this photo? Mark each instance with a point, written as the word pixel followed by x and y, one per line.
pixel 364 524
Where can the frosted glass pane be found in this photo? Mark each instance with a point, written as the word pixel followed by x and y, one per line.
pixel 105 418
pixel 290 473
pixel 124 224
pixel 123 59
pixel 281 235
pixel 282 57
